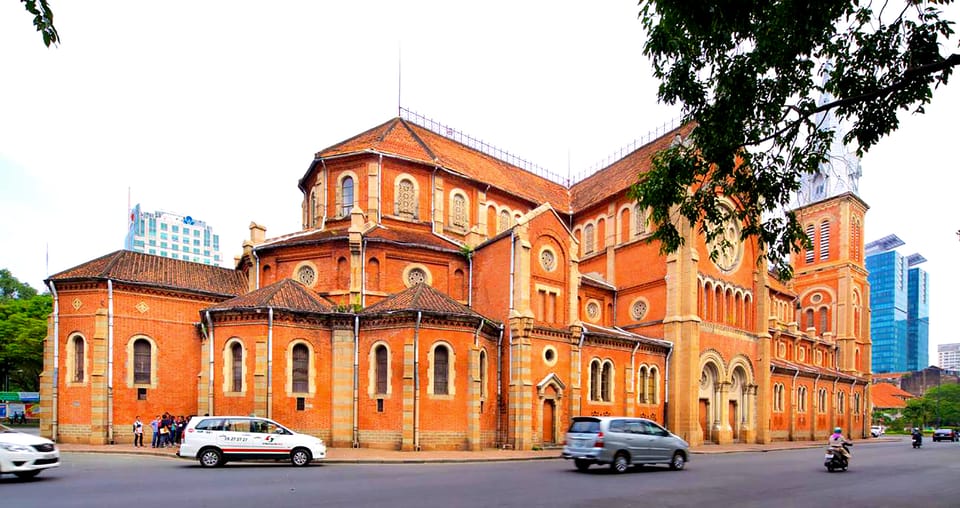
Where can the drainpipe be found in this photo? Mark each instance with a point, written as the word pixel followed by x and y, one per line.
pixel 326 192
pixel 470 280
pixel 793 395
pixel 513 259
pixel 433 202
pixel 56 361
pixel 834 397
pixel 256 273
pixel 416 383
pixel 816 393
pixel 380 189
pixel 356 381
pixel 269 362
pixel 583 336
pixel 499 380
pixel 110 361
pixel 210 367
pixel 666 386
pixel 633 364
pixel 363 272
pixel 853 386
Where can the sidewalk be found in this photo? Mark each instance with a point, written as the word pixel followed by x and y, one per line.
pixel 375 456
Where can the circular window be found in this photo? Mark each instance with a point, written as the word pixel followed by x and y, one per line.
pixel 727 244
pixel 306 275
pixel 549 355
pixel 638 310
pixel 816 298
pixel 593 311
pixel 781 349
pixel 416 276
pixel 548 260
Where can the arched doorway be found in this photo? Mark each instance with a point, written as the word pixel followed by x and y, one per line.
pixel 549 419
pixel 549 393
pixel 709 407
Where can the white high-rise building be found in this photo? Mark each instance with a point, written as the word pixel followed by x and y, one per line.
pixel 949 356
pixel 173 236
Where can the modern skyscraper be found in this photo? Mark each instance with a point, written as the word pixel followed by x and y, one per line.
pixel 173 236
pixel 949 356
pixel 899 307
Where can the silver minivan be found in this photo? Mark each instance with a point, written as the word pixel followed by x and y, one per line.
pixel 622 441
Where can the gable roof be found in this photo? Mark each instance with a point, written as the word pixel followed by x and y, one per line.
pixel 424 298
pixel 286 294
pixel 408 140
pixel 623 173
pixel 150 270
pixel 886 395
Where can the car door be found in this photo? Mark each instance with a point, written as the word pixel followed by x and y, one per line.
pixel 237 439
pixel 659 442
pixel 270 439
pixel 639 441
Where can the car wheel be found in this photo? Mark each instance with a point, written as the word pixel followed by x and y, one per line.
pixel 677 462
pixel 300 457
pixel 25 475
pixel 620 463
pixel 211 457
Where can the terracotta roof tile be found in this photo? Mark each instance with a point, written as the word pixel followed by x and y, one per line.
pixel 408 140
pixel 286 294
pixel 812 369
pixel 411 237
pixel 886 395
pixel 147 269
pixel 622 173
pixel 421 297
pixel 307 237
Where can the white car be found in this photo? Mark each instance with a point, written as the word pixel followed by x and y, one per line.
pixel 25 455
pixel 877 430
pixel 214 440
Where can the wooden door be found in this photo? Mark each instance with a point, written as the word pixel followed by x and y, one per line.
pixel 549 432
pixel 705 419
pixel 732 417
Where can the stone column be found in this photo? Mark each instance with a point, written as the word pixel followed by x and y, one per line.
pixel 98 381
pixel 520 410
pixel 409 394
pixel 474 442
pixel 342 390
pixel 725 432
pixel 260 377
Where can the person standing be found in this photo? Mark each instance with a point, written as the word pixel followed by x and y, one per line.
pixel 155 426
pixel 137 433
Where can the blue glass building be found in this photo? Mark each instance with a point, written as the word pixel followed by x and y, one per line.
pixel 899 307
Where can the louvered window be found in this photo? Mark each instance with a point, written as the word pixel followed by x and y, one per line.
pixel 300 368
pixel 458 215
pixel 406 199
pixel 381 356
pixel 588 239
pixel 809 256
pixel 141 361
pixel 441 371
pixel 236 357
pixel 504 222
pixel 824 240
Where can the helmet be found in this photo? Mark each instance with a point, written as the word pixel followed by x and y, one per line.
pixel 838 430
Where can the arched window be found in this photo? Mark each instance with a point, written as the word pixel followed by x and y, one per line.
pixel 595 380
pixel 458 211
pixel 777 397
pixel 809 319
pixel 822 400
pixel 503 223
pixel 373 274
pixel 441 371
pixel 856 403
pixel 78 358
pixel 824 322
pixel 483 374
pixel 142 361
pixel 300 368
pixel 380 353
pixel 588 240
pixel 802 399
pixel 809 254
pixel 236 365
pixel 606 382
pixel 841 399
pixel 640 219
pixel 346 196
pixel 653 386
pixel 824 240
pixel 406 204
pixel 642 395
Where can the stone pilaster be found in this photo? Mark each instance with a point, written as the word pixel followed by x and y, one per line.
pixel 373 190
pixel 98 381
pixel 474 442
pixel 410 395
pixel 520 411
pixel 342 389
pixel 576 370
pixel 260 377
pixel 48 382
pixel 203 378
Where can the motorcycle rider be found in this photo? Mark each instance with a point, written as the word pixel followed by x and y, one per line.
pixel 837 441
pixel 916 435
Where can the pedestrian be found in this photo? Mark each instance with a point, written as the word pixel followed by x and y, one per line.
pixel 165 430
pixel 155 426
pixel 137 433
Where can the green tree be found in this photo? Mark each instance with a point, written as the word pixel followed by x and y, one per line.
pixel 749 76
pixel 919 412
pixel 945 401
pixel 23 326
pixel 43 20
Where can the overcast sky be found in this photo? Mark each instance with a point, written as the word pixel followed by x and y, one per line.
pixel 214 109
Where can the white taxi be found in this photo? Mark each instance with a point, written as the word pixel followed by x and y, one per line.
pixel 25 455
pixel 214 440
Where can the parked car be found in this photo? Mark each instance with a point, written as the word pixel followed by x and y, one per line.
pixel 622 441
pixel 215 440
pixel 25 455
pixel 945 435
pixel 877 430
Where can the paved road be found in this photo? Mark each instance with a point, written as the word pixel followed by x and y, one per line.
pixel 882 474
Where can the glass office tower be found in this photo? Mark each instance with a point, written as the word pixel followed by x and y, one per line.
pixel 918 318
pixel 173 236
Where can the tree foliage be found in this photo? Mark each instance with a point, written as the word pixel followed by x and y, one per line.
pixel 43 20
pixel 23 326
pixel 749 75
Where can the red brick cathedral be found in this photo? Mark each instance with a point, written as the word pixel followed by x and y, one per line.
pixel 438 297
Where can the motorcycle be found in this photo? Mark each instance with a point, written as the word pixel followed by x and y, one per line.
pixel 835 460
pixel 917 440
